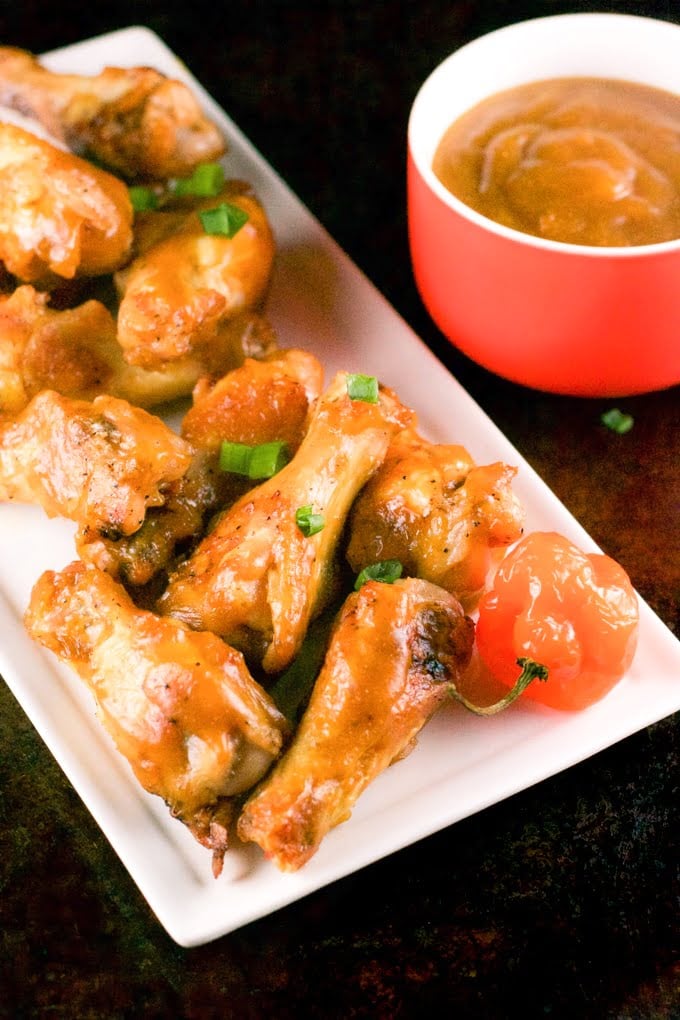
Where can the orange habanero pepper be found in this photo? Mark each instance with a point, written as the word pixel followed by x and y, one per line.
pixel 574 613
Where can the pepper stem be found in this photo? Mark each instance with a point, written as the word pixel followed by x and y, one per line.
pixel 530 671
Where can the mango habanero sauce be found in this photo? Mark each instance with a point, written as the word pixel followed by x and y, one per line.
pixel 579 160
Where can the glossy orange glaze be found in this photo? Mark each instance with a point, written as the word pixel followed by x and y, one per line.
pixel 580 160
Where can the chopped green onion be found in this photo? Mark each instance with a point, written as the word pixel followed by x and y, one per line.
pixel 205 182
pixel 530 671
pixel 307 521
pixel 617 421
pixel 255 462
pixel 142 198
pixel 235 458
pixel 225 219
pixel 387 571
pixel 268 459
pixel 363 387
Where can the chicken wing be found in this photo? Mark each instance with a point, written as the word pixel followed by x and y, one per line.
pixel 178 293
pixel 257 579
pixel 442 517
pixel 258 402
pixel 181 706
pixel 394 650
pixel 261 401
pixel 75 351
pixel 102 464
pixel 59 215
pixel 134 120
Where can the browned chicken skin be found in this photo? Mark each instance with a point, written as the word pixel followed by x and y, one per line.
pixel 59 215
pixel 177 295
pixel 259 402
pixel 181 706
pixel 256 578
pixel 102 464
pixel 444 518
pixel 75 351
pixel 393 652
pixel 136 121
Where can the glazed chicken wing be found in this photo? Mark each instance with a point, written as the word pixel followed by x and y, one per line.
pixel 442 517
pixel 178 294
pixel 136 121
pixel 101 464
pixel 394 650
pixel 259 402
pixel 75 351
pixel 59 215
pixel 257 579
pixel 181 706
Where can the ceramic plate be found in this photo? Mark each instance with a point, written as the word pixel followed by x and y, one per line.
pixel 462 764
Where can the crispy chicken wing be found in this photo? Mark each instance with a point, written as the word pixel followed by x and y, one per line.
pixel 257 579
pixel 178 294
pixel 134 120
pixel 75 351
pixel 393 651
pixel 59 215
pixel 101 464
pixel 444 518
pixel 181 706
pixel 258 402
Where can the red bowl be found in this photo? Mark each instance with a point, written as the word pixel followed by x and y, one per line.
pixel 565 318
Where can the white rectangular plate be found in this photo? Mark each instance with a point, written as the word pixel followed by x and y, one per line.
pixel 462 764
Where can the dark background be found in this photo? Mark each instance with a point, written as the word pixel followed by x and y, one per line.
pixel 560 902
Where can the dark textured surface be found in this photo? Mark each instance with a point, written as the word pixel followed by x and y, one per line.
pixel 562 901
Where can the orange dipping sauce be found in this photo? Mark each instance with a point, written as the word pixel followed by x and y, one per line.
pixel 579 160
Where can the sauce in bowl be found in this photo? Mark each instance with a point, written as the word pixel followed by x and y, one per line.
pixel 579 160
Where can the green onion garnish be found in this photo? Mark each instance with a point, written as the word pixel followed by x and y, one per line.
pixel 225 219
pixel 387 571
pixel 205 182
pixel 307 521
pixel 617 421
pixel 363 387
pixel 142 198
pixel 255 462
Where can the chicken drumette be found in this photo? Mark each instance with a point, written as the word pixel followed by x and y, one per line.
pixel 180 705
pixel 134 120
pixel 257 578
pixel 394 651
pixel 186 284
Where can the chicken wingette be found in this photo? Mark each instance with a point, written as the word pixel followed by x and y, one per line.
pixel 443 517
pixel 180 705
pixel 59 215
pixel 258 402
pixel 393 653
pixel 134 120
pixel 180 291
pixel 75 351
pixel 258 578
pixel 101 464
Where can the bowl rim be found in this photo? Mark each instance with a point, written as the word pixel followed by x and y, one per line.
pixel 425 171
